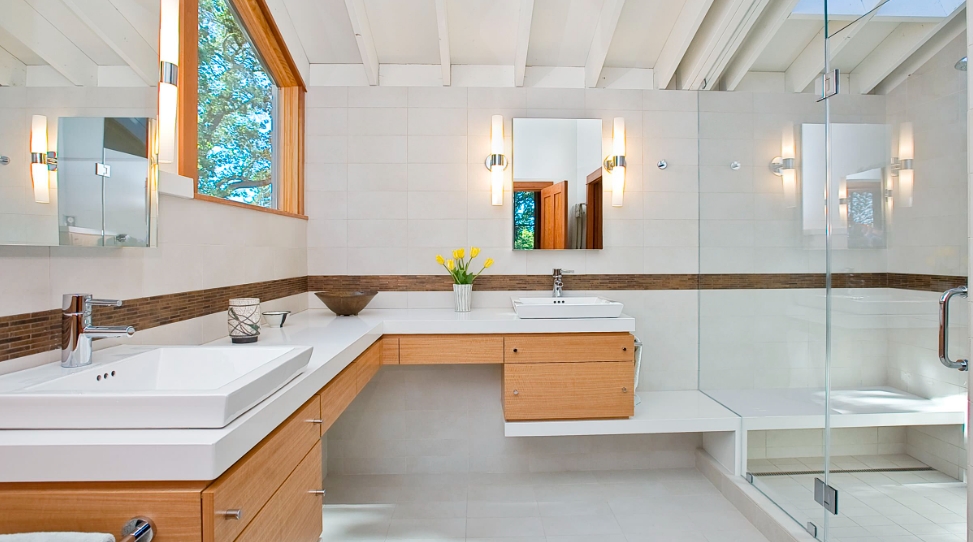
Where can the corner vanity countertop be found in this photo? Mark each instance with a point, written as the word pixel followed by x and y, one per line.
pixel 63 455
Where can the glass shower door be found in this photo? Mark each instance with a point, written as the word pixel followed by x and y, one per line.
pixel 897 235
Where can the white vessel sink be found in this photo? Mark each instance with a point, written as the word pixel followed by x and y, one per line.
pixel 149 388
pixel 566 307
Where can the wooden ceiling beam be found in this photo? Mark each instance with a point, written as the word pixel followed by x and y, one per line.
pixel 442 24
pixel 809 64
pixel 110 25
pixel 611 10
pixel 680 37
pixel 363 35
pixel 523 41
pixel 719 37
pixel 13 72
pixel 757 41
pixel 947 33
pixel 33 30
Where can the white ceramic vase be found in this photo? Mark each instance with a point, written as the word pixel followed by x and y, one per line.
pixel 463 295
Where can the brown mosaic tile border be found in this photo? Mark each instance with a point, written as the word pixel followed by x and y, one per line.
pixel 33 333
pixel 36 332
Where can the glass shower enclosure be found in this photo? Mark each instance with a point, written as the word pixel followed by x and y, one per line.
pixel 829 228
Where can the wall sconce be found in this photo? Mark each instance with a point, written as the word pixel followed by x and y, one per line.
pixel 902 166
pixel 615 163
pixel 843 202
pixel 496 162
pixel 783 166
pixel 168 78
pixel 42 161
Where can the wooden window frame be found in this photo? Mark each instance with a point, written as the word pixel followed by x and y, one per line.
pixel 259 23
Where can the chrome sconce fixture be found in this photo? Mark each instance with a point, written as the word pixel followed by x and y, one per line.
pixel 902 165
pixel 496 162
pixel 615 163
pixel 42 161
pixel 4 160
pixel 783 166
pixel 168 78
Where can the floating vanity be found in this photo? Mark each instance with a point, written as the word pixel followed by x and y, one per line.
pixel 259 477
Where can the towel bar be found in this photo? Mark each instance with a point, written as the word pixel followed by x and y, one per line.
pixel 138 529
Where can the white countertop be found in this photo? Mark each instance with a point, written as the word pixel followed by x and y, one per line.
pixel 204 454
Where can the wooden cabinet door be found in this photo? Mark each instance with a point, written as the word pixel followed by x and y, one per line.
pixel 337 395
pixel 249 484
pixel 368 364
pixel 451 349
pixel 554 216
pixel 571 391
pixel 292 514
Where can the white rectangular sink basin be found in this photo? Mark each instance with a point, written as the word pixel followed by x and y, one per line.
pixel 566 307
pixel 199 387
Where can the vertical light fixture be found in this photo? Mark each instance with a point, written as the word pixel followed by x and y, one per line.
pixel 783 166
pixel 168 78
pixel 496 162
pixel 42 162
pixel 843 202
pixel 903 164
pixel 615 163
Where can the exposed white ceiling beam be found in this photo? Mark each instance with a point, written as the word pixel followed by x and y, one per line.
pixel 13 73
pixel 902 43
pixel 721 34
pixel 443 27
pixel 144 19
pixel 110 25
pixel 523 41
pixel 28 26
pixel 687 23
pixel 948 32
pixel 810 62
pixel 611 10
pixel 756 41
pixel 363 35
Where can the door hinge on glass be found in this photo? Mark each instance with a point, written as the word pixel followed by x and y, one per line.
pixel 829 85
pixel 102 170
pixel 812 529
pixel 826 496
pixel 749 477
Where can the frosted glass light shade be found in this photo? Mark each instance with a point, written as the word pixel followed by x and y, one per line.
pixel 167 122
pixel 618 172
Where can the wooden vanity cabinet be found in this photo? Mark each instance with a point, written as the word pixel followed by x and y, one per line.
pixel 571 376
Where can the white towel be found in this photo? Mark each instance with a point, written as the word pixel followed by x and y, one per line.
pixel 57 537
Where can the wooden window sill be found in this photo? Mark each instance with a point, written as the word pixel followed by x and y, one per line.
pixel 232 203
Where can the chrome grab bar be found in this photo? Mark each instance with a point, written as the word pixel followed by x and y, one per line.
pixel 138 529
pixel 960 364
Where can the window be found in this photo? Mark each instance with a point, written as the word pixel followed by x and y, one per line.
pixel 240 122
pixel 525 220
pixel 235 119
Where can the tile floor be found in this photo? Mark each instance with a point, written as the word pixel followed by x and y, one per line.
pixel 606 506
pixel 926 506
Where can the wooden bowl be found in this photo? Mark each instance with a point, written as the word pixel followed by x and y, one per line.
pixel 346 302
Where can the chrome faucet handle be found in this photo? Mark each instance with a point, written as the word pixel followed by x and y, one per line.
pixel 102 303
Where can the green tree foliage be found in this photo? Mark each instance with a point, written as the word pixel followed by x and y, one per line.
pixel 235 114
pixel 525 220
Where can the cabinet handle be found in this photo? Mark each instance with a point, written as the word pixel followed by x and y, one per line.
pixel 235 513
pixel 516 392
pixel 317 492
pixel 624 349
pixel 314 421
pixel 515 350
pixel 624 390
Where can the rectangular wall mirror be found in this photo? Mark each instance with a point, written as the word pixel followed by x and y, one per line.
pixel 557 184
pixel 102 185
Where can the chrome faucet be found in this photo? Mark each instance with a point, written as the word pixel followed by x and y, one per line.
pixel 558 280
pixel 77 331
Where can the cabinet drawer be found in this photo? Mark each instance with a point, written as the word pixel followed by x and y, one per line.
pixel 337 395
pixel 551 391
pixel 452 349
pixel 368 363
pixel 568 347
pixel 292 514
pixel 250 483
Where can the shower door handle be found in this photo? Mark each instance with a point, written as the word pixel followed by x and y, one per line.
pixel 960 364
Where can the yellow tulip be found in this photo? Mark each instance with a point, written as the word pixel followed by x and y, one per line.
pixel 473 252
pixel 450 265
pixel 440 260
pixel 459 254
pixel 488 263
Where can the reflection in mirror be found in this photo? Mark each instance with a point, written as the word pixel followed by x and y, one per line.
pixel 557 184
pixel 105 181
pixel 861 187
